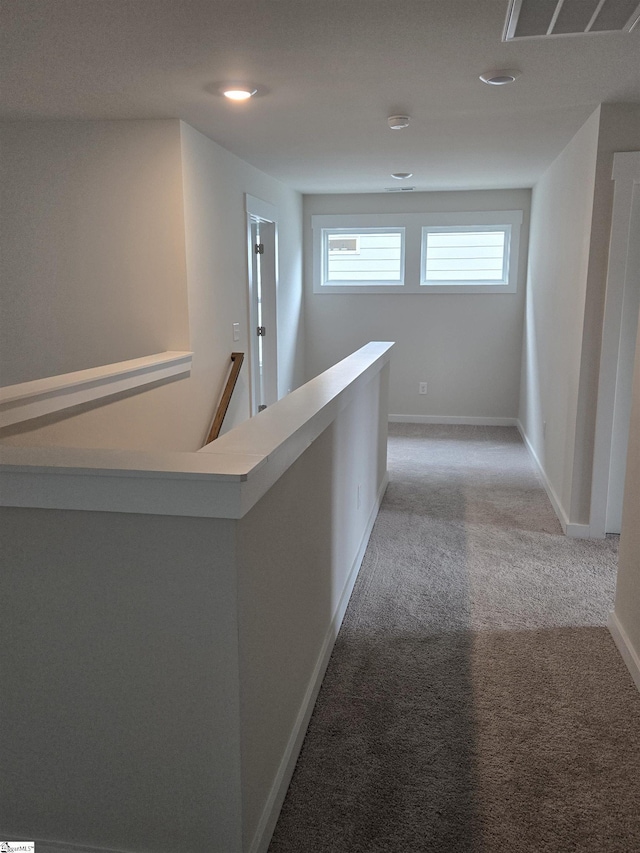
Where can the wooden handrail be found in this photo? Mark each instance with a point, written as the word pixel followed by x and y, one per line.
pixel 236 358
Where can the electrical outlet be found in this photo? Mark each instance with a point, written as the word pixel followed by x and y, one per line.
pixel 422 388
pixel 236 331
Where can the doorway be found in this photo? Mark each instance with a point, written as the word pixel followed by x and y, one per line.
pixel 262 235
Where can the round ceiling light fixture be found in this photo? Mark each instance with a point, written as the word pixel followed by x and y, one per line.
pixel 238 93
pixel 401 176
pixel 398 122
pixel 501 77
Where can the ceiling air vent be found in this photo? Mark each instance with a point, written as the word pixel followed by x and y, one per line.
pixel 399 189
pixel 541 18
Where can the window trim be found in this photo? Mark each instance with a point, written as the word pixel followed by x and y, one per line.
pixel 505 285
pixel 414 247
pixel 374 284
pixel 351 224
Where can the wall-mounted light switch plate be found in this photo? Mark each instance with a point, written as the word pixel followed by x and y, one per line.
pixel 422 388
pixel 236 331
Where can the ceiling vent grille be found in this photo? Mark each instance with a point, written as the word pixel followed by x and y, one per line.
pixel 542 18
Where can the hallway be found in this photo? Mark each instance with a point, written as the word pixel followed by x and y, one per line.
pixel 474 701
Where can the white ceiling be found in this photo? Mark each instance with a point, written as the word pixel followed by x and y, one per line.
pixel 330 73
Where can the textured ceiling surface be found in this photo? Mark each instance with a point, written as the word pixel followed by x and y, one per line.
pixel 329 72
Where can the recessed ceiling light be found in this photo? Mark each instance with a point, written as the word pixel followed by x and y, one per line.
pixel 398 122
pixel 401 176
pixel 500 78
pixel 238 93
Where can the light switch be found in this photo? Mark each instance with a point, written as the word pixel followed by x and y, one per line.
pixel 236 331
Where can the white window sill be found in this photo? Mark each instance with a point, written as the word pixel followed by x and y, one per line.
pixel 468 288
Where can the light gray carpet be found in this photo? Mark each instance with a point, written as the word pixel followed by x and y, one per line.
pixel 474 701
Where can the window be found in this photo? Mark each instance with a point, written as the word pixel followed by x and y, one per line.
pixel 464 252
pixel 372 257
pixel 471 255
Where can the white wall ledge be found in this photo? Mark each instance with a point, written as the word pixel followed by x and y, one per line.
pixel 222 480
pixel 28 400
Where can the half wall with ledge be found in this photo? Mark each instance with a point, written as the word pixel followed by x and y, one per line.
pixel 169 617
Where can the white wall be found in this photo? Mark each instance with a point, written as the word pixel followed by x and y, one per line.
pixel 561 210
pixel 569 243
pixel 467 347
pixel 172 267
pixel 627 608
pixel 619 131
pixel 215 185
pixel 120 671
pixel 93 256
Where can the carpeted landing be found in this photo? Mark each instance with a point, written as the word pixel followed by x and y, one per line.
pixel 474 701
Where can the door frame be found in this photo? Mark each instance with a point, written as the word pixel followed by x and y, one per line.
pixel 261 211
pixel 616 356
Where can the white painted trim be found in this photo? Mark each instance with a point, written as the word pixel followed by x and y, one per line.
pixel 626 174
pixel 222 480
pixel 578 531
pixel 412 223
pixel 260 209
pixel 271 811
pixel 508 282
pixel 629 655
pixel 551 494
pixel 28 400
pixel 267 213
pixel 452 419
pixel 569 528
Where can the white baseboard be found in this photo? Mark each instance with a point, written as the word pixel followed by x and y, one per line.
pixel 451 419
pixel 282 779
pixel 569 528
pixel 555 500
pixel 629 655
pixel 578 531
